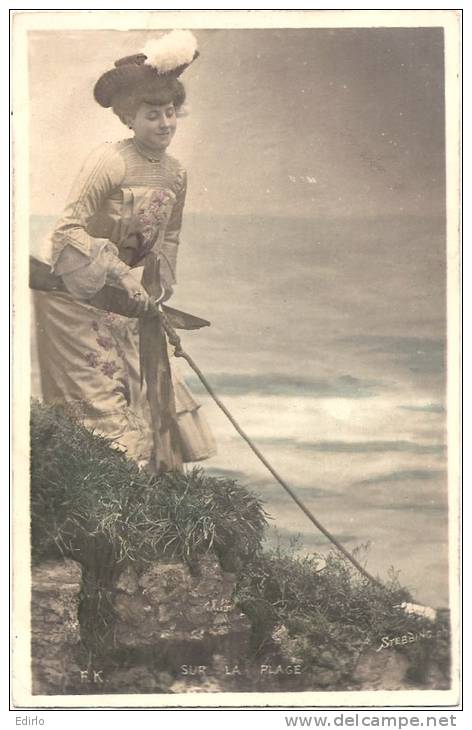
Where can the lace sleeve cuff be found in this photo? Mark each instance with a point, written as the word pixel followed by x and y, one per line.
pixel 83 277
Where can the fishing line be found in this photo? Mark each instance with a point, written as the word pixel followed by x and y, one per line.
pixel 175 341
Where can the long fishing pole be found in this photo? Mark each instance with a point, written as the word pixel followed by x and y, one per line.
pixel 175 341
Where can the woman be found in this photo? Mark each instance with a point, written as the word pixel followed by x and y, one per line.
pixel 125 211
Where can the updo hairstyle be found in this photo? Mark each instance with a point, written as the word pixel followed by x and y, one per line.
pixel 158 91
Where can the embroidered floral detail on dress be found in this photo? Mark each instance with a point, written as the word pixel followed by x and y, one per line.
pixel 92 359
pixel 105 342
pixel 148 221
pixel 107 329
pixel 109 368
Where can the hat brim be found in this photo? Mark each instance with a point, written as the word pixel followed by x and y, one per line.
pixel 119 79
pixel 128 76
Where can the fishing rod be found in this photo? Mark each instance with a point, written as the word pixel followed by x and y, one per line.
pixel 175 341
pixel 113 299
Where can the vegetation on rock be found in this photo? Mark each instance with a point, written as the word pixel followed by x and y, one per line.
pixel 90 503
pixel 325 615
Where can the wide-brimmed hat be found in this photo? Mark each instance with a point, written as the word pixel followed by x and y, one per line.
pixel 167 56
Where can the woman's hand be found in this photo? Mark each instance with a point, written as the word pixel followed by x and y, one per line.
pixel 139 298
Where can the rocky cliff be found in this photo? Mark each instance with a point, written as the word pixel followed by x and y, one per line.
pixel 161 585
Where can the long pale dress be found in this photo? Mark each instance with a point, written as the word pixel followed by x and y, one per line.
pixel 90 356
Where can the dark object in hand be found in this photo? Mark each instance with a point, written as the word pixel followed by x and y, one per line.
pixel 110 298
pixel 42 278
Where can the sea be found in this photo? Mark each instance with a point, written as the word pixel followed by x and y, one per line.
pixel 328 345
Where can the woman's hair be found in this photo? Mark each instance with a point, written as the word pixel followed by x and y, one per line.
pixel 158 91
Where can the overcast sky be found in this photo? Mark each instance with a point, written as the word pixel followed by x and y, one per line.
pixel 281 122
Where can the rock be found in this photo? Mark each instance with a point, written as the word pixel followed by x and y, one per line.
pixel 55 629
pixel 418 610
pixel 137 680
pixel 280 634
pixel 325 678
pixel 128 581
pixel 184 686
pixel 326 659
pixel 165 582
pixel 180 617
pixel 285 648
pixel 385 670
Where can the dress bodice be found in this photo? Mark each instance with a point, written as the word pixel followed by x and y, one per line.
pixel 118 192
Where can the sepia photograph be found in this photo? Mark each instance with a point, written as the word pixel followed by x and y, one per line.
pixel 236 333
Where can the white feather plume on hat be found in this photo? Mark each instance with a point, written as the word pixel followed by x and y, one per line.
pixel 170 51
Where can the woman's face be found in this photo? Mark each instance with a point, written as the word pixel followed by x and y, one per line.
pixel 154 125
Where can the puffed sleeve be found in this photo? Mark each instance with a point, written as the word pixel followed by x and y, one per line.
pixel 171 241
pixel 84 276
pixel 84 262
pixel 102 173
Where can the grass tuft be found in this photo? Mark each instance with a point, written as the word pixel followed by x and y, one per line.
pixel 331 614
pixel 89 502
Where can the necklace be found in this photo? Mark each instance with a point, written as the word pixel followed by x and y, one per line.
pixel 144 152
